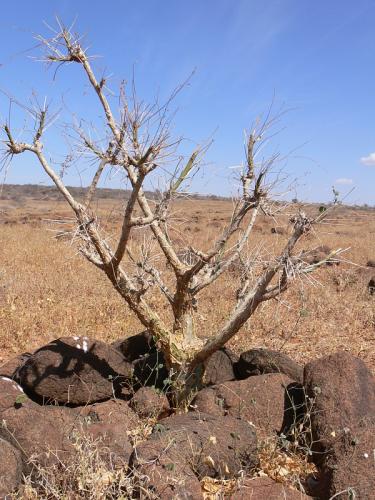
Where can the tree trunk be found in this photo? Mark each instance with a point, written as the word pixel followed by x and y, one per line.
pixel 186 380
pixel 185 377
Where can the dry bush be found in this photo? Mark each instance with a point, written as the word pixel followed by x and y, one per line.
pixel 290 468
pixel 137 143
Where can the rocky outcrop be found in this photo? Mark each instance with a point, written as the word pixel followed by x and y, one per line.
pixel 112 424
pixel 11 469
pixel 261 361
pixel 218 368
pixel 270 402
pixel 74 371
pixel 342 423
pixel 184 448
pixel 150 403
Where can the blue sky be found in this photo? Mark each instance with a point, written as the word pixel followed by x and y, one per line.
pixel 316 58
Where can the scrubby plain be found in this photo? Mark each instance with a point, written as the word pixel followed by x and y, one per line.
pixel 47 290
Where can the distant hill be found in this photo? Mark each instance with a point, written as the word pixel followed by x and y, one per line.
pixel 18 192
pixel 22 192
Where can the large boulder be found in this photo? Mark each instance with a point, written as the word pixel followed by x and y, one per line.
pixel 11 469
pixel 47 433
pixel 349 465
pixel 185 448
pixel 260 361
pixel 342 389
pixel 74 371
pixel 112 424
pixel 165 474
pixel 135 346
pixel 218 368
pixel 40 433
pixel 271 402
pixel 265 488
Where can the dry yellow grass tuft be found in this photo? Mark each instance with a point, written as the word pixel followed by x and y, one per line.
pixel 291 469
pixel 87 475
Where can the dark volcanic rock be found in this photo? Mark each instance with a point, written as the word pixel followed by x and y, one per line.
pixel 349 464
pixel 11 469
pixel 166 475
pixel 267 401
pixel 343 423
pixel 135 346
pixel 218 367
pixel 47 432
pixel 184 448
pixel 260 361
pixel 344 392
pixel 147 402
pixel 32 429
pixel 75 371
pixel 41 432
pixel 12 395
pixel 371 286
pixel 12 366
pixel 111 422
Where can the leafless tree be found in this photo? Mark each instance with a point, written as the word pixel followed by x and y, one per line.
pixel 138 142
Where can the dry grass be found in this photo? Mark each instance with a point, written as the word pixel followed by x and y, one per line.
pixel 292 469
pixel 47 290
pixel 88 474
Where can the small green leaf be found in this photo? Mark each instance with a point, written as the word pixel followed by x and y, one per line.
pixel 220 402
pixel 188 167
pixel 170 466
pixel 21 398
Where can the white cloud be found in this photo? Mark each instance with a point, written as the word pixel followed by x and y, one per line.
pixel 369 160
pixel 344 181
